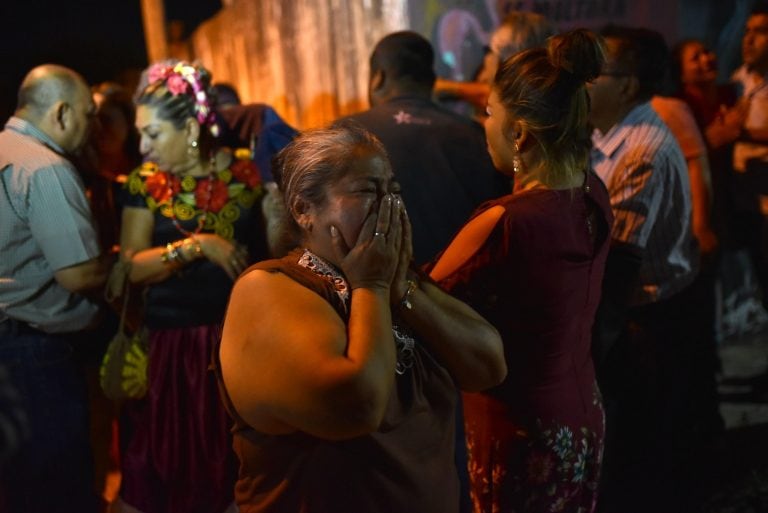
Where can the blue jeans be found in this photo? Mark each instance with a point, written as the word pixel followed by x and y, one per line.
pixel 53 469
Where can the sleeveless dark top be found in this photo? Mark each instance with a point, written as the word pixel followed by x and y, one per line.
pixel 405 466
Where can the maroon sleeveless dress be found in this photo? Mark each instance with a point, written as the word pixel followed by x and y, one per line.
pixel 535 441
pixel 405 466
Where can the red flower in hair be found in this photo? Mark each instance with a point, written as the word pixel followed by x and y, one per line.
pixel 176 85
pixel 219 194
pixel 161 186
pixel 246 171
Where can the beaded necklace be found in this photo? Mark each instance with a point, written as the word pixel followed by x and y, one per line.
pixel 203 217
pixel 405 341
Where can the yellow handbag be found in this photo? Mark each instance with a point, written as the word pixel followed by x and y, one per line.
pixel 123 371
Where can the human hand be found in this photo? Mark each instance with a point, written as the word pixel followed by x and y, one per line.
pixel 231 257
pixel 373 260
pixel 400 282
pixel 726 128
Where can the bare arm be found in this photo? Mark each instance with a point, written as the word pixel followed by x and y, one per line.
pixel 698 169
pixel 85 277
pixel 464 342
pixel 755 135
pixel 475 93
pixel 147 265
pixel 295 366
pixel 726 127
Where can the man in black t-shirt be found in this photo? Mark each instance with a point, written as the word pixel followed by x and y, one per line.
pixel 439 157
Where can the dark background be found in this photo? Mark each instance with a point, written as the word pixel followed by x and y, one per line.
pixel 103 40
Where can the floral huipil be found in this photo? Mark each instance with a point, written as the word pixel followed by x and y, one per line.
pixel 224 203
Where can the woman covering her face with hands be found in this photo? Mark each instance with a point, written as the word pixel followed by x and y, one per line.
pixel 343 387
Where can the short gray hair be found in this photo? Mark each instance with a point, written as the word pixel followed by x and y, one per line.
pixel 320 157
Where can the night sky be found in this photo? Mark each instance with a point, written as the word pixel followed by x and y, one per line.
pixel 101 39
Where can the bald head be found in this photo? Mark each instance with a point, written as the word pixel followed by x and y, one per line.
pixel 58 102
pixel 46 85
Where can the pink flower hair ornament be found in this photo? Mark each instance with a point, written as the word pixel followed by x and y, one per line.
pixel 183 78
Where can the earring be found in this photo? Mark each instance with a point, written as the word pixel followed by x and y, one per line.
pixel 193 150
pixel 517 162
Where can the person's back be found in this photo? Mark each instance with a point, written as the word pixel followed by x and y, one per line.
pixel 539 245
pixel 532 263
pixel 645 142
pixel 441 162
pixel 258 127
pixel 439 157
pixel 49 260
pixel 34 174
pixel 647 337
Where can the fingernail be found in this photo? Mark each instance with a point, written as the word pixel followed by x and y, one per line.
pixel 334 231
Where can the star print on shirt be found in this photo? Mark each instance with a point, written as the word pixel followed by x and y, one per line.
pixel 402 117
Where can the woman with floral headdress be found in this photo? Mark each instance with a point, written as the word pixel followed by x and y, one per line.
pixel 189 228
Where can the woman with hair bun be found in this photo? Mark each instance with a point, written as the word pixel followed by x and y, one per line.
pixel 532 264
pixel 190 225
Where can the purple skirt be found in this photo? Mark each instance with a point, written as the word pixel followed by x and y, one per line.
pixel 177 450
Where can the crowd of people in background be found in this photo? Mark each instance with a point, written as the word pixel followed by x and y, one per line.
pixel 407 310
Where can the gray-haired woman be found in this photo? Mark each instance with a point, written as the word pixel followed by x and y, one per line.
pixel 343 387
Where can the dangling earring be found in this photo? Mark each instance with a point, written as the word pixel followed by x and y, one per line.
pixel 517 162
pixel 193 150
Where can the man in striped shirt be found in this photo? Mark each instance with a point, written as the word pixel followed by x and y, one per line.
pixel 641 350
pixel 49 259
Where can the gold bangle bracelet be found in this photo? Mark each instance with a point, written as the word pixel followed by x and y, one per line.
pixel 197 249
pixel 171 255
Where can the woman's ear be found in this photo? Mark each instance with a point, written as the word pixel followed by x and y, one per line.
pixel 302 213
pixel 193 130
pixel 518 133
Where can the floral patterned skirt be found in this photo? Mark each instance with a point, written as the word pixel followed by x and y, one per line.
pixel 531 466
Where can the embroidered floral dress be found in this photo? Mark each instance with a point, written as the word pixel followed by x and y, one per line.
pixel 224 204
pixel 535 441
pixel 178 456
